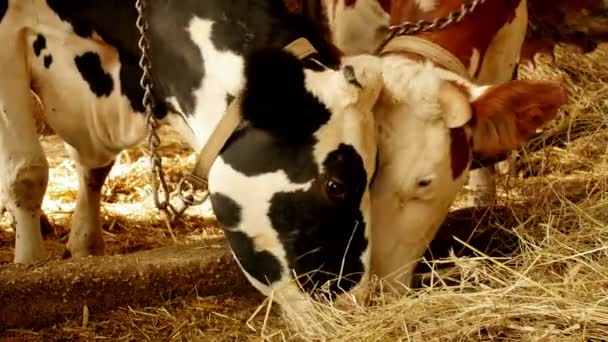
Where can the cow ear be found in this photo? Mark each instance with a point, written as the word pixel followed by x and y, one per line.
pixel 455 105
pixel 507 115
pixel 275 96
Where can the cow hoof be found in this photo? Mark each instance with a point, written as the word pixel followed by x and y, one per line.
pixel 93 247
pixel 33 256
pixel 66 254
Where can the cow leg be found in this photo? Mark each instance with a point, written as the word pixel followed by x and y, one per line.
pixel 23 185
pixel 482 187
pixel 85 234
pixel 24 181
pixel 25 190
pixel 23 165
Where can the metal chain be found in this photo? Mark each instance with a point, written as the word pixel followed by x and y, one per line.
pixel 185 189
pixel 409 27
pixel 157 177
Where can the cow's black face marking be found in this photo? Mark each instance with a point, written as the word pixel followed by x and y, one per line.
pixel 3 8
pixel 255 152
pixel 275 98
pixel 226 210
pixel 317 228
pixel 48 60
pixel 39 44
pixel 89 66
pixel 261 265
pixel 328 238
pixel 277 104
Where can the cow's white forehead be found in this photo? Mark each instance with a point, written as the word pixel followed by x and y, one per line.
pixel 352 120
pixel 414 186
pixel 406 79
pixel 412 125
pixel 413 84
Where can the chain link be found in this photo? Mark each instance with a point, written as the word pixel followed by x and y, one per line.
pixel 185 190
pixel 409 27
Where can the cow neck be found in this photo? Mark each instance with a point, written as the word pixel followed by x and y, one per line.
pixel 475 32
pixel 422 49
pixel 232 118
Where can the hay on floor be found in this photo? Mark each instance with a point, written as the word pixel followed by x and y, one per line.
pixel 550 282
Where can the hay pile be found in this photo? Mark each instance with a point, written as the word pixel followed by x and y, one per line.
pixel 553 286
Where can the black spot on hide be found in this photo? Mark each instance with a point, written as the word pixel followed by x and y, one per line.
pixel 89 66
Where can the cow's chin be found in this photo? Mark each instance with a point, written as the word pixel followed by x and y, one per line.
pixel 304 309
pixel 405 229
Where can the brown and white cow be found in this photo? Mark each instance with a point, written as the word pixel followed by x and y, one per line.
pixel 358 26
pixel 490 46
pixel 434 114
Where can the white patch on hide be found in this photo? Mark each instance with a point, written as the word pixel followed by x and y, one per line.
pixel 223 75
pixel 426 5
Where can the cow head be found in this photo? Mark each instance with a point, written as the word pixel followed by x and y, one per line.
pixel 430 122
pixel 290 188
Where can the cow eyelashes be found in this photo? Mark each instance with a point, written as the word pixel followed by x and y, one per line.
pixel 423 182
pixel 425 188
pixel 335 189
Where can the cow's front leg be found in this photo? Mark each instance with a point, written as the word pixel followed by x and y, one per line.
pixel 85 235
pixel 24 184
pixel 23 165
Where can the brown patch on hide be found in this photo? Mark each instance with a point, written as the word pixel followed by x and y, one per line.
pixel 460 151
pixel 475 32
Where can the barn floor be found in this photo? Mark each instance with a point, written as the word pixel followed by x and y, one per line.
pixel 552 286
pixel 130 226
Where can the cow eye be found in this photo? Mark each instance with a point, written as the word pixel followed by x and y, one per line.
pixel 425 181
pixel 335 189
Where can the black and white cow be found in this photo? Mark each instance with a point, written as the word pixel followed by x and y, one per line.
pixel 291 185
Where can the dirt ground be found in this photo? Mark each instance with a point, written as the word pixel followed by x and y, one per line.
pixel 130 226
pixel 551 226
